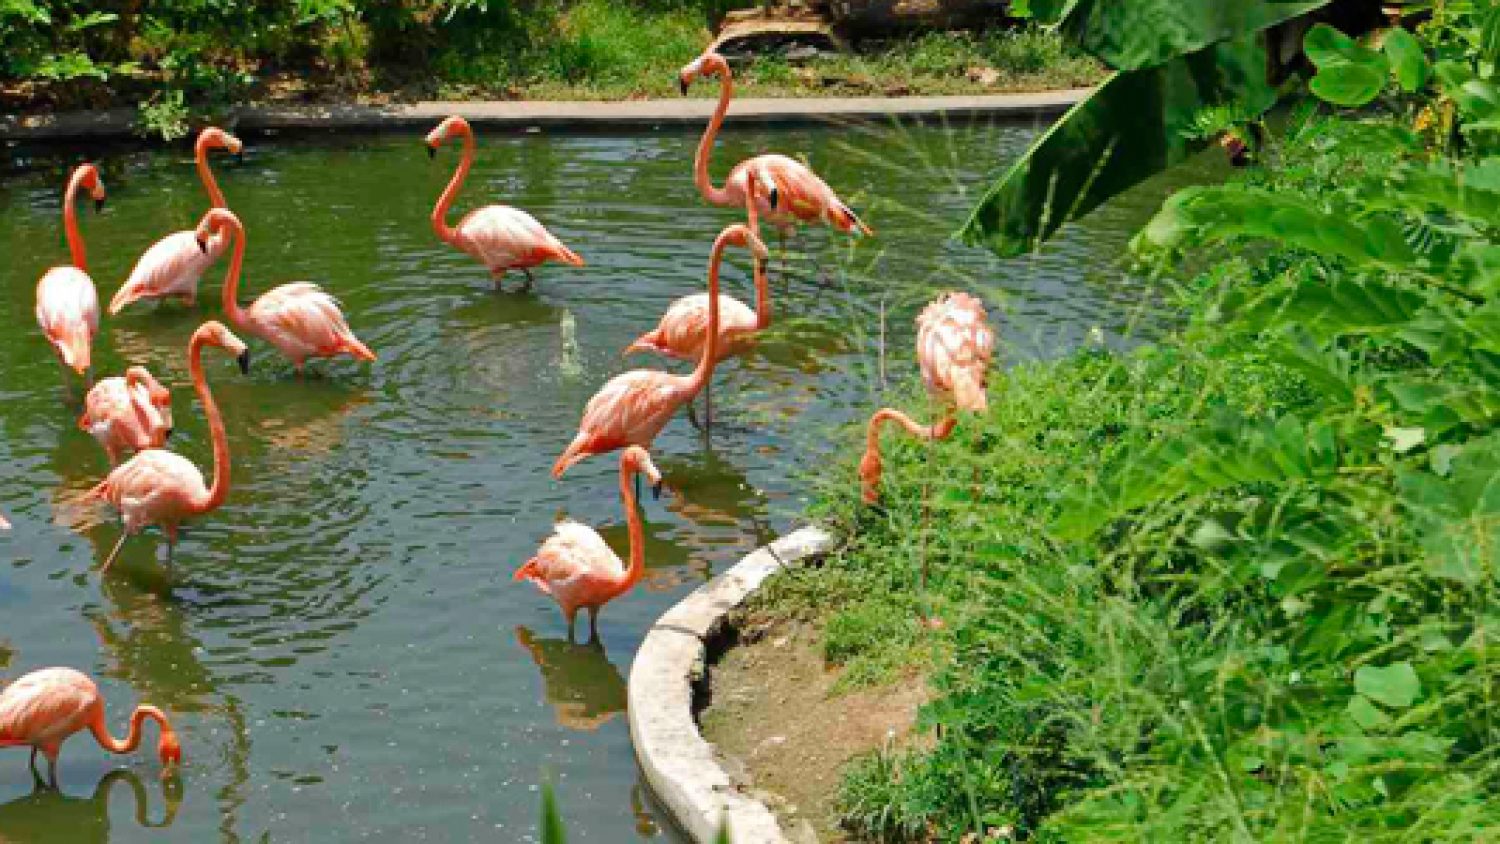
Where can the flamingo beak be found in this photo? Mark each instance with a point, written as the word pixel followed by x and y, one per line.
pixel 98 205
pixel 775 197
pixel 202 244
pixel 168 434
pixel 432 153
pixel 239 156
pixel 244 361
pixel 656 491
pixel 683 85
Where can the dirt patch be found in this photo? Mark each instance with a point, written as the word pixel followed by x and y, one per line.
pixel 772 711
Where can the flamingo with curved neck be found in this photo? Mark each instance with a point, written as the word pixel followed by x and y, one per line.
pixel 633 407
pixel 577 568
pixel 128 414
pixel 683 328
pixel 67 306
pixel 499 236
pixel 795 193
pixel 299 318
pixel 45 708
pixel 172 267
pixel 158 487
pixel 954 347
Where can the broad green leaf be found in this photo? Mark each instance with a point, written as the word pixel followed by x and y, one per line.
pixel 1349 85
pixel 1366 714
pixel 1408 59
pixel 1395 685
pixel 1327 47
pixel 1132 127
pixel 1135 34
pixel 1458 516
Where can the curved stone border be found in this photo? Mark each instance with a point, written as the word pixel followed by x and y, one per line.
pixel 682 768
pixel 563 115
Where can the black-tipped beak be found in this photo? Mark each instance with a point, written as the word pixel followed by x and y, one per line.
pixel 774 198
pixel 432 152
pixel 656 491
pixel 244 360
pixel 682 84
pixel 239 157
pixel 98 205
pixel 202 244
pixel 168 434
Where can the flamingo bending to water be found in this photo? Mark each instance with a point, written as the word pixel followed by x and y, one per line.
pixel 174 264
pixel 45 708
pixel 683 329
pixel 299 319
pixel 67 306
pixel 499 236
pixel 954 346
pixel 578 569
pixel 157 487
pixel 633 407
pixel 798 195
pixel 128 414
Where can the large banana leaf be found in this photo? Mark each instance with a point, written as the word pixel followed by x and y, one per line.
pixel 1132 127
pixel 1132 34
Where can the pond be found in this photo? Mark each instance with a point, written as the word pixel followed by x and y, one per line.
pixel 342 645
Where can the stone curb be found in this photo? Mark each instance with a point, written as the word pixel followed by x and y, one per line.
pixel 567 116
pixel 681 767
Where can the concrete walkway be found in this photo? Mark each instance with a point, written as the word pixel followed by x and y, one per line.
pixel 564 116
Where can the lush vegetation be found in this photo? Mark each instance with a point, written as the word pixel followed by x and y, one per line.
pixel 176 55
pixel 1240 583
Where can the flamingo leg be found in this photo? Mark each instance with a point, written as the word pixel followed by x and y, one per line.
pixel 496 275
pixel 527 272
pixel 594 611
pixel 708 408
pixel 692 416
pixel 571 616
pixel 110 560
pixel 52 767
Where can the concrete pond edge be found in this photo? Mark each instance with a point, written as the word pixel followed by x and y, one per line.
pixel 565 116
pixel 682 768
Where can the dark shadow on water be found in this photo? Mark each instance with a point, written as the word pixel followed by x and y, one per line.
pixel 47 814
pixel 583 687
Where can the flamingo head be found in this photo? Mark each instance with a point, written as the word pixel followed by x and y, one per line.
pixel 450 126
pixel 214 333
pixel 740 234
pixel 637 459
pixel 213 137
pixel 215 221
pixel 869 476
pixel 169 748
pixel 763 185
pixel 709 64
pixel 161 397
pixel 88 179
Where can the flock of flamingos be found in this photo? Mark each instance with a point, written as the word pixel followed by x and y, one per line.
pixel 574 565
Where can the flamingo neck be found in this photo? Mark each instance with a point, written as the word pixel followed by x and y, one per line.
pixel 636 568
pixel 132 740
pixel 705 368
pixel 206 175
pixel 762 284
pixel 70 221
pixel 440 226
pixel 938 431
pixel 237 316
pixel 714 195
pixel 219 490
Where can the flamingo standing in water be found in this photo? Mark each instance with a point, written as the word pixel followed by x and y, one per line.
pixel 633 407
pixel 128 414
pixel 174 264
pixel 45 708
pixel 499 236
pixel 683 329
pixel 796 193
pixel 67 306
pixel 578 569
pixel 299 319
pixel 954 346
pixel 157 487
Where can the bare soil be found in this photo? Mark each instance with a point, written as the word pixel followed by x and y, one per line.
pixel 787 736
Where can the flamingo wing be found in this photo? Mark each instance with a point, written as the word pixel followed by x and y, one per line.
pixel 171 267
pixel 803 195
pixel 954 346
pixel 67 309
pixel 300 317
pixel 502 237
pixel 631 409
pixel 153 487
pixel 45 706
pixel 684 327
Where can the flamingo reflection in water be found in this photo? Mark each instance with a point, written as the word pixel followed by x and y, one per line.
pixel 585 689
pixel 47 814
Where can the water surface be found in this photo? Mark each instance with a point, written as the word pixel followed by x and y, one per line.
pixel 342 645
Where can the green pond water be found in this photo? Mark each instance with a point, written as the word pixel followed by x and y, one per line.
pixel 342 646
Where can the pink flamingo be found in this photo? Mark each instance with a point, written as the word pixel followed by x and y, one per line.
pixel 954 346
pixel 157 487
pixel 45 708
pixel 684 327
pixel 299 319
pixel 578 569
pixel 633 407
pixel 796 194
pixel 67 306
pixel 174 264
pixel 498 236
pixel 128 414
pixel 4 525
